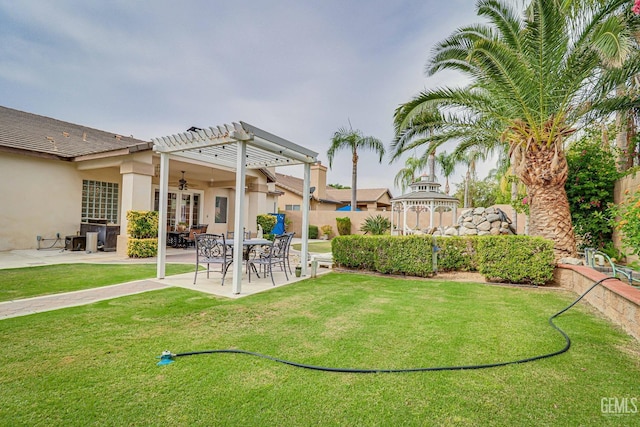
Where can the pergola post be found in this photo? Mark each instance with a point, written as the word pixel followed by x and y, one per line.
pixel 306 189
pixel 238 223
pixel 162 220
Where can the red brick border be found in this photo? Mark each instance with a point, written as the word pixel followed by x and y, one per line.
pixel 618 301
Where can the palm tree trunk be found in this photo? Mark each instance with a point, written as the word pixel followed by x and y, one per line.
pixel 354 180
pixel 545 173
pixel 550 218
pixel 466 189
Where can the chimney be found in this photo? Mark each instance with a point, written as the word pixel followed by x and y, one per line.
pixel 319 180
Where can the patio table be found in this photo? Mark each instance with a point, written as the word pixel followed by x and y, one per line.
pixel 247 246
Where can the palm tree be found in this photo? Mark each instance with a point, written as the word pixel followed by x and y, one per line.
pixel 447 163
pixel 532 78
pixel 407 175
pixel 354 140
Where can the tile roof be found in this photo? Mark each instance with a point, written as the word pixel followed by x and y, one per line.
pixel 362 195
pixel 31 133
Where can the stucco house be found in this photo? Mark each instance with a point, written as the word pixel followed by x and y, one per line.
pixel 324 198
pixel 56 175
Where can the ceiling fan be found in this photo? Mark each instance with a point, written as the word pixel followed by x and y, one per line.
pixel 182 184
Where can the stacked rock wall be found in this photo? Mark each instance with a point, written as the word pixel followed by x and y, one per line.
pixel 481 221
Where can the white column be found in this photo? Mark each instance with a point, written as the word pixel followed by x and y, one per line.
pixel 431 212
pixel 306 187
pixel 162 226
pixel 239 215
pixel 392 211
pixel 404 217
pixel 137 193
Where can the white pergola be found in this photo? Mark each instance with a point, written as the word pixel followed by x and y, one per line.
pixel 238 146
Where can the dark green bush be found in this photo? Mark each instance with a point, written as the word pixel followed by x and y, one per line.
pixel 411 255
pixel 457 253
pixel 512 259
pixel 344 226
pixel 516 259
pixel 356 252
pixel 313 231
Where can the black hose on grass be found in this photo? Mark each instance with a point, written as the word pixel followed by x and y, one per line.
pixel 167 356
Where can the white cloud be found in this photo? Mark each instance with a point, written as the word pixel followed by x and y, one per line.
pixel 297 69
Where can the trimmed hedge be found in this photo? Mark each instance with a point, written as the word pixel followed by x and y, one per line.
pixel 516 259
pixel 267 222
pixel 511 259
pixel 142 228
pixel 142 248
pixel 313 231
pixel 411 255
pixel 457 253
pixel 344 226
pixel 357 252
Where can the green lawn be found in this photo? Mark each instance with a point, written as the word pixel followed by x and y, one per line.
pixel 320 247
pixel 18 283
pixel 95 364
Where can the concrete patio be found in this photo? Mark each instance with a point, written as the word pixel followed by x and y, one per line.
pixel 212 285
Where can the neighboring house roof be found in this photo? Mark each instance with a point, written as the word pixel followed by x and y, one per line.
pixel 295 186
pixel 365 195
pixel 30 133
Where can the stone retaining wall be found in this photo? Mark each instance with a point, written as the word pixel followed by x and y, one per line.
pixel 618 301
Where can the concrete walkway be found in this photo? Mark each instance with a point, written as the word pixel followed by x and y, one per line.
pixel 212 285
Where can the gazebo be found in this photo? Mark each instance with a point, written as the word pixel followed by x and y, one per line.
pixel 425 195
pixel 238 147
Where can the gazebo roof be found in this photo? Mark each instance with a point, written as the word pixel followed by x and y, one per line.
pixel 217 145
pixel 425 196
pixel 426 190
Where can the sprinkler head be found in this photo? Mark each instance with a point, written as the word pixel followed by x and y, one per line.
pixel 165 359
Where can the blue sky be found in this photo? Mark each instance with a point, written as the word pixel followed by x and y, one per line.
pixel 299 69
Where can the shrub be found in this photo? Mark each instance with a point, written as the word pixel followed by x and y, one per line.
pixel 516 259
pixel 357 252
pixel 344 226
pixel 411 255
pixel 313 231
pixel 626 218
pixel 142 224
pixel 591 179
pixel 142 248
pixel 142 228
pixel 376 225
pixel 513 259
pixel 326 230
pixel 267 222
pixel 457 253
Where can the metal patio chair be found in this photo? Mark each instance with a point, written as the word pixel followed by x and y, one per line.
pixel 212 249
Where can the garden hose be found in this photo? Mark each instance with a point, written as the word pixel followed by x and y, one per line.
pixel 168 357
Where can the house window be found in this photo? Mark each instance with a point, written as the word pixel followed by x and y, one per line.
pixel 292 207
pixel 99 201
pixel 221 210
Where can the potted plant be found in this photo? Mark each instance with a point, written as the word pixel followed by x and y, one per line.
pixel 182 226
pixel 326 232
